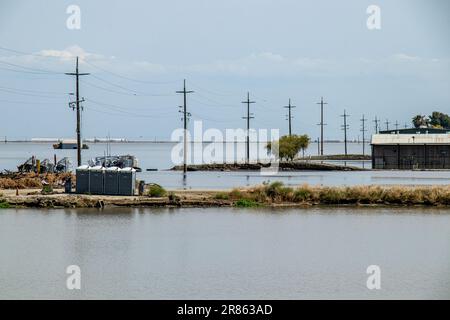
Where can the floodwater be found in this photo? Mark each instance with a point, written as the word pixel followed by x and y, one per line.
pixel 158 156
pixel 225 253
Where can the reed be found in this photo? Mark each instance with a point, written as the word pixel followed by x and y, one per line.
pixel 276 192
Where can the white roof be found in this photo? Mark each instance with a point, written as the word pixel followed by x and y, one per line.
pixel 96 168
pixel 395 138
pixel 128 169
pixel 83 167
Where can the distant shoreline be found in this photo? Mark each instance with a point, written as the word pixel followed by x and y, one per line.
pixel 157 141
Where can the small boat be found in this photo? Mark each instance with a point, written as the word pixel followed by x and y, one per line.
pixel 68 144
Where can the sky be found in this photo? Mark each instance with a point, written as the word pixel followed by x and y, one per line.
pixel 139 52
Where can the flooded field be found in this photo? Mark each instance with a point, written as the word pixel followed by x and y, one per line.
pixel 225 253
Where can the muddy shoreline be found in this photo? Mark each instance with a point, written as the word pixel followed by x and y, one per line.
pixel 258 196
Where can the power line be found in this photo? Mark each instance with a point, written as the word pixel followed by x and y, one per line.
pixel 321 124
pixel 248 117
pixel 77 74
pixel 289 107
pixel 345 127
pixel 129 78
pixel 377 124
pixel 36 70
pixel 185 115
pixel 363 130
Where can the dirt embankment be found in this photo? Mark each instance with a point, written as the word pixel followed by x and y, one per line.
pixel 274 194
pixel 283 166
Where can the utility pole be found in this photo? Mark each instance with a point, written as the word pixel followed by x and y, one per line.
pixel 387 124
pixel 185 116
pixel 321 124
pixel 77 102
pixel 377 126
pixel 406 126
pixel 345 127
pixel 396 125
pixel 289 106
pixel 248 117
pixel 363 130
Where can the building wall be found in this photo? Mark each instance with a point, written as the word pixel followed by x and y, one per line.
pixel 411 156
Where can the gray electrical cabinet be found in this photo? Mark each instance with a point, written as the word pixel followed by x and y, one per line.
pixel 112 181
pixel 82 174
pixel 96 180
pixel 127 181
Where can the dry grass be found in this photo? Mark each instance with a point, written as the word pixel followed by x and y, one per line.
pixel 276 192
pixel 32 180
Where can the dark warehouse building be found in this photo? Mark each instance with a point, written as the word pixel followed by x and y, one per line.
pixel 408 149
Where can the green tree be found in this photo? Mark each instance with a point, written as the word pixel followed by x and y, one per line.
pixel 420 121
pixel 439 120
pixel 289 146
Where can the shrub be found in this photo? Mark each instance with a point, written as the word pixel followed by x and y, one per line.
pixel 156 191
pixel 47 189
pixel 221 196
pixel 278 192
pixel 235 194
pixel 302 194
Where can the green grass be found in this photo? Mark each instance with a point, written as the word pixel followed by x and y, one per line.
pixel 246 203
pixel 221 196
pixel 4 204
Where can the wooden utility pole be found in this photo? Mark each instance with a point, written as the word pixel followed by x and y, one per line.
pixel 289 106
pixel 387 124
pixel 248 117
pixel 185 116
pixel 321 124
pixel 377 126
pixel 363 130
pixel 396 125
pixel 345 127
pixel 77 103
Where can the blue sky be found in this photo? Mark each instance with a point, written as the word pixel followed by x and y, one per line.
pixel 275 49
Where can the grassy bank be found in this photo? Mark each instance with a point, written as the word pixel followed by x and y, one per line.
pixel 274 194
pixel 277 193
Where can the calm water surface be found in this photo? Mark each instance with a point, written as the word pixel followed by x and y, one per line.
pixel 225 253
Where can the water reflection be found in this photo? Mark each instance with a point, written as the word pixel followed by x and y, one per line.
pixel 219 253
